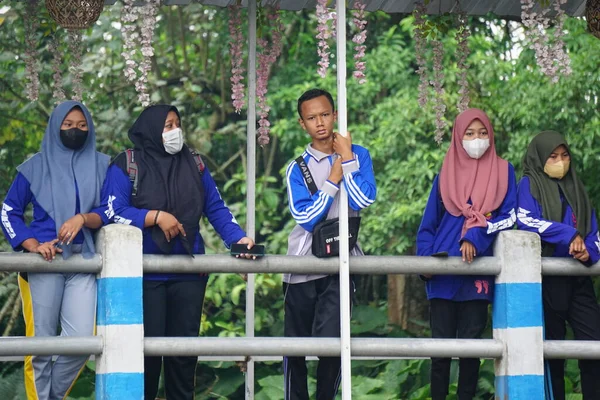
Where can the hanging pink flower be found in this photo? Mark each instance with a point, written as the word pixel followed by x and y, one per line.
pixel 438 87
pixel 142 19
pixel 550 55
pixel 148 14
pixel 236 42
pixel 324 32
pixel 129 17
pixel 420 40
pixel 462 37
pixel 437 80
pixel 359 38
pixel 76 50
pixel 57 81
pixel 266 58
pixel 31 22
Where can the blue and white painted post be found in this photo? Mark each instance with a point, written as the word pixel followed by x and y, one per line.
pixel 518 317
pixel 120 367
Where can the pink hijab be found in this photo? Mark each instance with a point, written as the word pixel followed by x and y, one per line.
pixel 484 181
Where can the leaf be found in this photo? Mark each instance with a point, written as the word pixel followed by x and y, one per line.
pixel 229 381
pixel 362 386
pixel 235 293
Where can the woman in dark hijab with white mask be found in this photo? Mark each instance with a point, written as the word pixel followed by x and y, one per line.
pixel 163 188
pixel 63 183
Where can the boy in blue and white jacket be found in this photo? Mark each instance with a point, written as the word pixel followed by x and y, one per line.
pixel 312 302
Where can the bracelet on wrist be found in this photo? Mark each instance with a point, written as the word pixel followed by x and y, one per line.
pixel 156 217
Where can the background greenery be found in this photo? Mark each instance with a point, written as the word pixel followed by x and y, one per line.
pixel 191 71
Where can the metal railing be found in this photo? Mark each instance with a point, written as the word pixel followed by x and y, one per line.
pixel 120 258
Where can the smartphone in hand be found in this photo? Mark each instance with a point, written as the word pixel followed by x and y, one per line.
pixel 258 250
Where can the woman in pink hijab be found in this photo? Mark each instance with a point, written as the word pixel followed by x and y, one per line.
pixel 472 199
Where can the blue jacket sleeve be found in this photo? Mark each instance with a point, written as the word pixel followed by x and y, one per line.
pixel 308 210
pixel 116 200
pixel 430 222
pixel 592 242
pixel 359 179
pixel 530 218
pixel 17 199
pixel 504 218
pixel 102 209
pixel 217 212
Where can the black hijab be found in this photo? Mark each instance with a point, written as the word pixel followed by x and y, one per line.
pixel 547 191
pixel 166 182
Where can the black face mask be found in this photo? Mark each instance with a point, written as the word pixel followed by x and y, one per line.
pixel 73 138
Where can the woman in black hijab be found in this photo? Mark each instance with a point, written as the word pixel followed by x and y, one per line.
pixel 163 188
pixel 553 203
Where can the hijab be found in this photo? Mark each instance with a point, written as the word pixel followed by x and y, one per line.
pixel 166 182
pixel 54 172
pixel 547 191
pixel 483 181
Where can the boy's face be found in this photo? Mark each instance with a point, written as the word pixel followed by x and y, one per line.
pixel 318 118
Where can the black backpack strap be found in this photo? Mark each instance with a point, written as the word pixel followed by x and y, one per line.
pixel 132 171
pixel 198 160
pixel 310 182
pixel 132 168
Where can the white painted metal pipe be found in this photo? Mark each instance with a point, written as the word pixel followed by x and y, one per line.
pixel 344 257
pixel 251 183
pixel 325 347
pixel 381 265
pixel 48 346
pixel 572 349
pixel 567 267
pixel 29 262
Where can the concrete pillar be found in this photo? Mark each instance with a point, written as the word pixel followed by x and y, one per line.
pixel 120 367
pixel 518 317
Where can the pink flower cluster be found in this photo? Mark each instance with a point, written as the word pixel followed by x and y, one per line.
pixel 31 22
pixel 551 56
pixel 236 42
pixel 129 17
pixel 266 58
pixel 360 23
pixel 76 50
pixel 148 14
pixel 462 37
pixel 438 87
pixel 420 40
pixel 437 80
pixel 132 41
pixel 58 93
pixel 325 31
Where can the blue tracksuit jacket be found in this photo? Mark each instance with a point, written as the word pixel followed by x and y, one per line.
pixel 441 231
pixel 560 234
pixel 42 228
pixel 116 195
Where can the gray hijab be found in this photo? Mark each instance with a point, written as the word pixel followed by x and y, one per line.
pixel 55 170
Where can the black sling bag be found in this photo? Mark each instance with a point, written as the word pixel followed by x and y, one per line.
pixel 326 234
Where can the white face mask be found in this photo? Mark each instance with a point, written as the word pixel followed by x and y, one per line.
pixel 173 140
pixel 476 148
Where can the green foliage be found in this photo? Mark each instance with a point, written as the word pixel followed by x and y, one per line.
pixel 12 386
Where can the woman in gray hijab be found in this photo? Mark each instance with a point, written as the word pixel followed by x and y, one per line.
pixel 63 183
